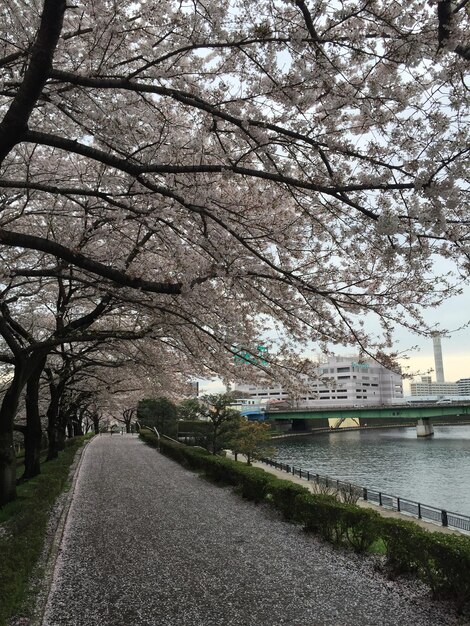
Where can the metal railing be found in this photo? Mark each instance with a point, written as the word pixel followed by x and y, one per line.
pixel 394 503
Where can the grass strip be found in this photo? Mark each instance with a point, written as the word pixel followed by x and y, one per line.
pixel 23 525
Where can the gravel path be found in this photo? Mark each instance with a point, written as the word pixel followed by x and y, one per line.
pixel 149 543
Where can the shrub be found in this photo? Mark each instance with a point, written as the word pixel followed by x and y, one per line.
pixel 350 495
pixel 404 542
pixel 445 566
pixel 254 483
pixel 338 522
pixel 321 514
pixel 363 527
pixel 442 561
pixel 284 496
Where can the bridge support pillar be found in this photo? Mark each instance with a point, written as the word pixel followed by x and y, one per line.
pixel 424 427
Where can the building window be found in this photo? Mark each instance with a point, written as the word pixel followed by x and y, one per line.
pixel 344 377
pixel 343 369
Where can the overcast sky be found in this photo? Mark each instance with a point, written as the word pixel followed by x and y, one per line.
pixel 452 315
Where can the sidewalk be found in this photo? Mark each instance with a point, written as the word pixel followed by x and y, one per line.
pixel 149 543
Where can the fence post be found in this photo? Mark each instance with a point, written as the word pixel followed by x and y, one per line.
pixel 293 470
pixel 419 510
pixel 444 519
pixel 364 493
pixel 308 475
pixel 380 498
pixel 398 504
pixel 317 478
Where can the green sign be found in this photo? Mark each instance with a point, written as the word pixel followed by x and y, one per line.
pixel 243 356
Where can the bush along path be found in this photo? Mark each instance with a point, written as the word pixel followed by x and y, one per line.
pixel 23 530
pixel 439 560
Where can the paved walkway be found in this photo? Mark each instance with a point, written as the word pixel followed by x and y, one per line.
pixel 148 543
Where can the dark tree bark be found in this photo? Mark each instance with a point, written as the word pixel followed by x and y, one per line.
pixel 15 122
pixel 52 419
pixel 96 423
pixel 8 411
pixel 127 416
pixel 33 430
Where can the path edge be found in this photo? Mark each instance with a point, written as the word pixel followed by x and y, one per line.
pixel 52 545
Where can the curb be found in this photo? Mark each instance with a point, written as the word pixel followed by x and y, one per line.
pixel 52 548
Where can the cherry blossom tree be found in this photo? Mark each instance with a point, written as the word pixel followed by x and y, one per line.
pixel 235 167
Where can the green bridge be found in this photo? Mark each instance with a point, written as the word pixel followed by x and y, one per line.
pixel 361 416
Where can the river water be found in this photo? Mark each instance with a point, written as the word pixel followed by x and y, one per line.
pixel 433 470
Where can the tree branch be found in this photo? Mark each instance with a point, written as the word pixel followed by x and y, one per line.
pixel 32 242
pixel 15 122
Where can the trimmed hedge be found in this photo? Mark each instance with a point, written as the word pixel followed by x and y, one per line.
pixel 442 561
pixel 287 497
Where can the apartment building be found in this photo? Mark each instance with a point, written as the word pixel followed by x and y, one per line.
pixel 342 381
pixel 428 387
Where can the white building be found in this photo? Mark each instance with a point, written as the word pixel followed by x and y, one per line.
pixel 463 385
pixel 427 387
pixel 343 381
pixel 435 390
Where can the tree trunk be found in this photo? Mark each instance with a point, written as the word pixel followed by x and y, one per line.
pixel 8 410
pixel 77 428
pixel 53 449
pixel 52 418
pixel 61 436
pixel 7 468
pixel 33 431
pixel 96 424
pixel 32 449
